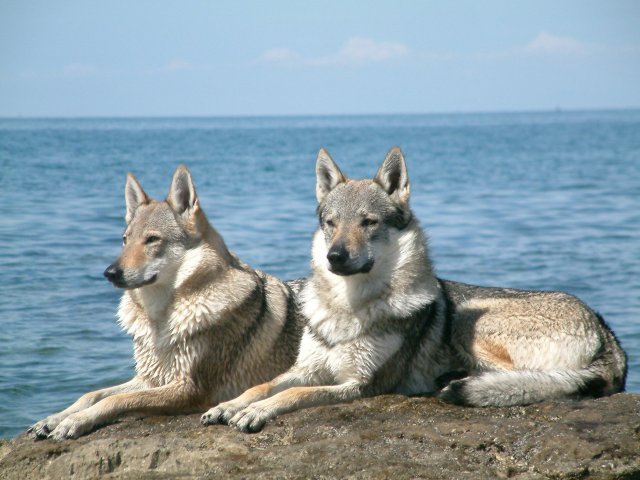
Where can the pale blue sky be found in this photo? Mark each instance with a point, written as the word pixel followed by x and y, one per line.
pixel 195 57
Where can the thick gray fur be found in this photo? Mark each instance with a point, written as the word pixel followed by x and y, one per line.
pixel 379 320
pixel 205 325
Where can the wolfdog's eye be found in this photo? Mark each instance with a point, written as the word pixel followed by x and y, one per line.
pixel 330 223
pixel 151 239
pixel 124 239
pixel 369 222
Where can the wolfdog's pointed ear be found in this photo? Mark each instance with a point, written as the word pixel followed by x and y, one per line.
pixel 182 194
pixel 392 175
pixel 328 175
pixel 134 196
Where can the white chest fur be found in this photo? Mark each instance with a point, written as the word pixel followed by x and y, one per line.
pixel 165 351
pixel 355 360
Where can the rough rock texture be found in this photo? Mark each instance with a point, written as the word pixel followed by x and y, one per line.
pixel 389 436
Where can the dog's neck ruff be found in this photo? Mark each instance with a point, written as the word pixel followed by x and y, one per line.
pixel 400 283
pixel 181 306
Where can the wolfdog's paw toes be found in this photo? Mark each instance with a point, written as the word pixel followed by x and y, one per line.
pixel 455 393
pixel 40 430
pixel 221 414
pixel 250 420
pixel 213 416
pixel 69 428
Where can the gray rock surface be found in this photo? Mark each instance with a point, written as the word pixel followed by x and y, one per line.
pixel 390 436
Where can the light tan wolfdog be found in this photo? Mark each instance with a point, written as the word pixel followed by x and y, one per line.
pixel 380 321
pixel 205 326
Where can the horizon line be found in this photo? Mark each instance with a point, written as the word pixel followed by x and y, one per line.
pixel 308 115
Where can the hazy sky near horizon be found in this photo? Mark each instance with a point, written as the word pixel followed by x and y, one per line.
pixel 196 57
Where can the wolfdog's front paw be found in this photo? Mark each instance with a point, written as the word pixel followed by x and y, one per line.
pixel 213 416
pixel 252 419
pixel 42 429
pixel 221 414
pixel 71 427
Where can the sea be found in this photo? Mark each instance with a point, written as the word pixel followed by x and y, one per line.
pixel 534 200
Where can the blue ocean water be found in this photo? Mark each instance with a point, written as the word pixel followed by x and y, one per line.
pixel 527 200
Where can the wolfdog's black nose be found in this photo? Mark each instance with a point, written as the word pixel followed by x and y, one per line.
pixel 337 255
pixel 113 273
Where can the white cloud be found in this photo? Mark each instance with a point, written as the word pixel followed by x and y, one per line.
pixel 543 45
pixel 359 49
pixel 364 50
pixel 546 43
pixel 356 50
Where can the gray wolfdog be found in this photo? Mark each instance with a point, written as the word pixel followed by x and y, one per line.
pixel 205 326
pixel 380 321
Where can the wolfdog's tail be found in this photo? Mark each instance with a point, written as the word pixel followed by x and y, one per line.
pixel 605 375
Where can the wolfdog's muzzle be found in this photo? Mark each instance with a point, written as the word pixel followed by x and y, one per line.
pixel 341 262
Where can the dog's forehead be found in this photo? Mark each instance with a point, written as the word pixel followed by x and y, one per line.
pixel 154 215
pixel 356 198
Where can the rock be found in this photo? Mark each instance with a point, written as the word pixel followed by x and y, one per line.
pixel 389 436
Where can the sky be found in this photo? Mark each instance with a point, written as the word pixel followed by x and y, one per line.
pixel 217 58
